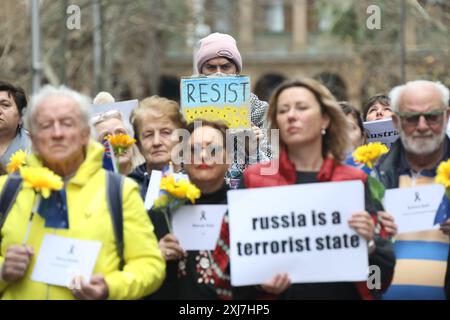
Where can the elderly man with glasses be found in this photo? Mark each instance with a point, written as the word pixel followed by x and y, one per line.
pixel 420 114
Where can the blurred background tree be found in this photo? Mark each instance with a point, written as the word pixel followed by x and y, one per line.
pixel 145 46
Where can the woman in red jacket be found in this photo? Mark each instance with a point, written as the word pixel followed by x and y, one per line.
pixel 313 141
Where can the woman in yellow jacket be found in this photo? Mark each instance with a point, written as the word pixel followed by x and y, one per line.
pixel 88 219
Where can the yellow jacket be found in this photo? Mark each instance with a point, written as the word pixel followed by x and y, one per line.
pixel 89 219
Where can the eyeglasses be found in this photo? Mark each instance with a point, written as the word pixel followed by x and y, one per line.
pixel 100 117
pixel 412 118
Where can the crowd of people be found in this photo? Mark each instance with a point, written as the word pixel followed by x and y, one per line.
pixel 140 257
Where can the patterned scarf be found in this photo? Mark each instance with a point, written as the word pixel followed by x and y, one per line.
pixel 221 262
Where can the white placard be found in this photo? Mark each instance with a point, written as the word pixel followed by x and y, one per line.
pixel 61 258
pixel 198 227
pixel 414 208
pixel 382 131
pixel 153 187
pixel 125 107
pixel 290 229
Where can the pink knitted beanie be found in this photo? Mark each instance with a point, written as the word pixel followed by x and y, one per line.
pixel 218 45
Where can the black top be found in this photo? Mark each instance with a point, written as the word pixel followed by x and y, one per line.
pixel 306 177
pixel 142 177
pixel 189 278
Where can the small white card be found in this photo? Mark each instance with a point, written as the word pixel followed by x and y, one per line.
pixel 153 187
pixel 414 208
pixel 61 259
pixel 198 227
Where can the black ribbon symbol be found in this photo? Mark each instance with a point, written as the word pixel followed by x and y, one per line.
pixel 417 197
pixel 203 216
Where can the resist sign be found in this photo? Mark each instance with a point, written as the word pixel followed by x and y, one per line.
pixel 217 98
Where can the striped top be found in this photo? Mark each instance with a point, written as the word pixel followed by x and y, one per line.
pixel 421 259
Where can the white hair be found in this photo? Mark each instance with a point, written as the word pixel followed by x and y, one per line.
pixel 396 93
pixel 82 101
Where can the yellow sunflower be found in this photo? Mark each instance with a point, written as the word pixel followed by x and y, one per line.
pixel 193 193
pixel 120 142
pixel 368 154
pixel 180 189
pixel 17 160
pixel 41 179
pixel 443 174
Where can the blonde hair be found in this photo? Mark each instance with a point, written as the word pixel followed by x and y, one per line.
pixel 336 140
pixel 158 107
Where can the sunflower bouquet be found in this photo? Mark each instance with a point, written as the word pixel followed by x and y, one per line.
pixel 173 194
pixel 443 177
pixel 368 155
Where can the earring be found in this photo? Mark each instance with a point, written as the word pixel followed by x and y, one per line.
pixel 323 131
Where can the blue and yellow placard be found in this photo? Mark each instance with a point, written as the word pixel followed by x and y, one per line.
pixel 217 98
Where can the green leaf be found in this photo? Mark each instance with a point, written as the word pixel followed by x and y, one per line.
pixel 376 189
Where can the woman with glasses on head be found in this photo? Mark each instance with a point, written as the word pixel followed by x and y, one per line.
pixel 191 274
pixel 111 123
pixel 313 142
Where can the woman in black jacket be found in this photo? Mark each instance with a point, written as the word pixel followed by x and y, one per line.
pixel 191 274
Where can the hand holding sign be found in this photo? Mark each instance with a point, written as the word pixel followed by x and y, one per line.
pixel 277 284
pixel 96 289
pixel 170 248
pixel 17 261
pixel 388 222
pixel 363 224
pixel 414 208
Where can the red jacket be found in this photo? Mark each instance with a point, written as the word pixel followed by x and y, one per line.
pixel 287 175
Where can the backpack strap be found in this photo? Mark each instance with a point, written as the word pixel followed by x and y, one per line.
pixel 8 196
pixel 114 184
